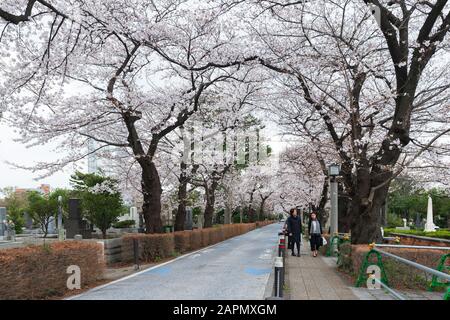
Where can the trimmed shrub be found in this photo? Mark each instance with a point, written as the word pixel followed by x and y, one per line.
pixel 39 272
pixel 196 239
pixel 217 235
pixel 124 224
pixel 182 241
pixel 260 224
pixel 440 234
pixel 206 237
pixel 152 247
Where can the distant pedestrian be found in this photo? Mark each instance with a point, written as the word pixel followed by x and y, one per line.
pixel 294 224
pixel 286 232
pixel 315 234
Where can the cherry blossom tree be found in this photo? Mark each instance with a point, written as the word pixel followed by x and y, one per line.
pixel 371 87
pixel 138 74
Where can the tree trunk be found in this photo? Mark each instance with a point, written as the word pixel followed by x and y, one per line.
pixel 182 199
pixel 151 188
pixel 344 213
pixel 209 210
pixel 366 220
pixel 210 202
pixel 323 215
pixel 261 209
pixel 228 206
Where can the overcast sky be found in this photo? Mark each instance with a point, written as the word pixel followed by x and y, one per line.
pixel 11 151
pixel 17 153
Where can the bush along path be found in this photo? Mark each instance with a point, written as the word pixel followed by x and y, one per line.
pixel 237 268
pixel 40 271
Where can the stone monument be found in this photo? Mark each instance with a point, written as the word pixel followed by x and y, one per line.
pixel 429 225
pixel 75 224
pixel 2 219
pixel 28 221
pixel 188 221
pixel 200 221
pixel 51 228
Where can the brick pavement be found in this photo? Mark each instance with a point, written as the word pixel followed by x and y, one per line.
pixel 310 278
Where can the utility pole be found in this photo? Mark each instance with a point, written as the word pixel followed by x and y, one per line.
pixel 333 172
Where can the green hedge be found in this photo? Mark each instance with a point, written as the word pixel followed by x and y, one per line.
pixel 442 234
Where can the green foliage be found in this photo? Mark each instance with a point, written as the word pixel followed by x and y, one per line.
pixel 40 210
pixel 394 221
pixel 101 202
pixel 442 234
pixel 407 200
pixel 124 224
pixel 16 205
pixel 196 211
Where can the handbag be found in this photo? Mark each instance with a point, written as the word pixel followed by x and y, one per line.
pixel 324 241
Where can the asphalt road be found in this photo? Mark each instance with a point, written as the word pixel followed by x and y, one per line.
pixel 236 269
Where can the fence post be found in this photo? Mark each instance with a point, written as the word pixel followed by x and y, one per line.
pixel 281 244
pixel 136 253
pixel 279 277
pixel 362 277
pixel 435 283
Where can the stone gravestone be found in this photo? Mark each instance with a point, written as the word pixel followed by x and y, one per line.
pixel 200 221
pixel 51 229
pixel 418 221
pixel 75 224
pixel 2 218
pixel 188 220
pixel 134 216
pixel 141 223
pixel 28 221
pixel 405 227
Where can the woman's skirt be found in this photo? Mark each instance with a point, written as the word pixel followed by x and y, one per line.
pixel 315 241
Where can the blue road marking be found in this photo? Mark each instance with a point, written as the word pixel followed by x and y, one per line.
pixel 161 270
pixel 257 272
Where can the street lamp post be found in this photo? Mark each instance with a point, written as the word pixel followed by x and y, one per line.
pixel 333 172
pixel 61 234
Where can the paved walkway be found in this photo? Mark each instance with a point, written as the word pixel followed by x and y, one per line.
pixel 236 269
pixel 317 278
pixel 312 278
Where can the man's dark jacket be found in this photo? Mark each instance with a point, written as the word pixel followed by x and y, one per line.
pixel 294 225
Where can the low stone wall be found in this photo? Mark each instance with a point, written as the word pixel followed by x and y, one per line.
pixel 413 240
pixel 112 250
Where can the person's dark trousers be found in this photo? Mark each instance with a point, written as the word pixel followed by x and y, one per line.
pixel 295 243
pixel 315 241
pixel 290 244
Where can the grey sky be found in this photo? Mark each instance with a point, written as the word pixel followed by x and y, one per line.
pixel 17 153
pixel 11 151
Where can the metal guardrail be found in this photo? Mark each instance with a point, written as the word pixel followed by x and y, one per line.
pixel 410 247
pixel 416 265
pixel 397 295
pixel 437 273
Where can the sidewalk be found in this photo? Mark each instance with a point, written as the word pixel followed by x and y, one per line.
pixel 312 278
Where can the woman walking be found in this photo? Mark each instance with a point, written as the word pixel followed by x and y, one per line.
pixel 294 224
pixel 315 234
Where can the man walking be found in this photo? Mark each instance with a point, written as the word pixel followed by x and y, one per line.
pixel 294 226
